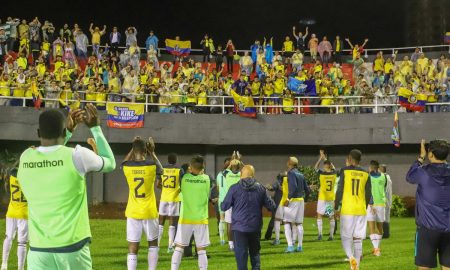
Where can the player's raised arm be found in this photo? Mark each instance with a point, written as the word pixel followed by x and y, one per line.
pixel 104 150
pixel 73 119
pixel 415 173
pixel 151 152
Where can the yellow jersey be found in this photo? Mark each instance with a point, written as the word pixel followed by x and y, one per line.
pixel 18 205
pixel 288 46
pixel 279 85
pixel 288 104
pixel 284 191
pixel 327 181
pixel 141 176
pixel 354 190
pixel 5 89
pixel 170 184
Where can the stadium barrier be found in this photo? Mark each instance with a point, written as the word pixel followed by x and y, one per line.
pixel 226 102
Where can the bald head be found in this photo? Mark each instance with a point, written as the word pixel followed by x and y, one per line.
pixel 292 162
pixel 248 171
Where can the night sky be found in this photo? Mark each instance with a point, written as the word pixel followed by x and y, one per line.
pixel 243 21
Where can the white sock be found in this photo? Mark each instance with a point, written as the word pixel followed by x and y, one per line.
pixel 347 244
pixel 176 258
pixel 373 238
pixel 277 227
pixel 231 244
pixel 153 258
pixel 319 225
pixel 332 225
pixel 6 249
pixel 379 237
pixel 202 260
pixel 160 234
pixel 132 262
pixel 300 235
pixel 294 233
pixel 222 230
pixel 288 234
pixel 21 255
pixel 357 243
pixel 171 235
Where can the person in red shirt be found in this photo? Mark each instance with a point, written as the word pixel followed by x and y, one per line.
pixel 229 55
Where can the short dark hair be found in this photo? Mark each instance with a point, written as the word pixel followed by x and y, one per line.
pixel 439 148
pixel 172 158
pixel 185 167
pixel 226 160
pixel 375 164
pixel 139 146
pixel 51 124
pixel 327 162
pixel 355 154
pixel 197 162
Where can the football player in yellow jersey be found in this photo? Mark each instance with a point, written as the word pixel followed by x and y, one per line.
pixel 16 221
pixel 169 205
pixel 141 212
pixel 325 203
pixel 354 191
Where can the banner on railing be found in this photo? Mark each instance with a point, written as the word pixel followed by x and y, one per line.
pixel 447 37
pixel 122 115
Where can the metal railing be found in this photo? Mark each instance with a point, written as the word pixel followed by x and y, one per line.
pixel 367 51
pixel 226 105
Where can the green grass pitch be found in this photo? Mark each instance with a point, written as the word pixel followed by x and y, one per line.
pixel 109 250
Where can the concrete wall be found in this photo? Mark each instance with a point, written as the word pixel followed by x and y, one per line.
pixel 205 129
pixel 265 142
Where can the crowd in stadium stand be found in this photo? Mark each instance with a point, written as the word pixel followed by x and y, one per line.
pixel 63 67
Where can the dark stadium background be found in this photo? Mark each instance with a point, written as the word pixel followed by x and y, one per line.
pixel 382 20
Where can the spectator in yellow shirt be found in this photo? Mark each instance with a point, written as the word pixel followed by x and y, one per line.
pixel 288 49
pixel 96 37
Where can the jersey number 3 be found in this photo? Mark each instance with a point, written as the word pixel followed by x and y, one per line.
pixel 136 189
pixel 329 185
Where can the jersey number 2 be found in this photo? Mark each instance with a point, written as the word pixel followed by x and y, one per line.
pixel 20 198
pixel 355 187
pixel 136 189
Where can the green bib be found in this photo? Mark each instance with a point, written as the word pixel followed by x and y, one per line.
pixel 194 199
pixel 378 189
pixel 57 201
pixel 231 179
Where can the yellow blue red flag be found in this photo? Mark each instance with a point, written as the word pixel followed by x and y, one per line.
pixel 122 115
pixel 411 101
pixel 244 105
pixel 178 47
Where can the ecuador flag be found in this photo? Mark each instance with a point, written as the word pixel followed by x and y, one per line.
pixel 178 47
pixel 244 105
pixel 411 101
pixel 447 37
